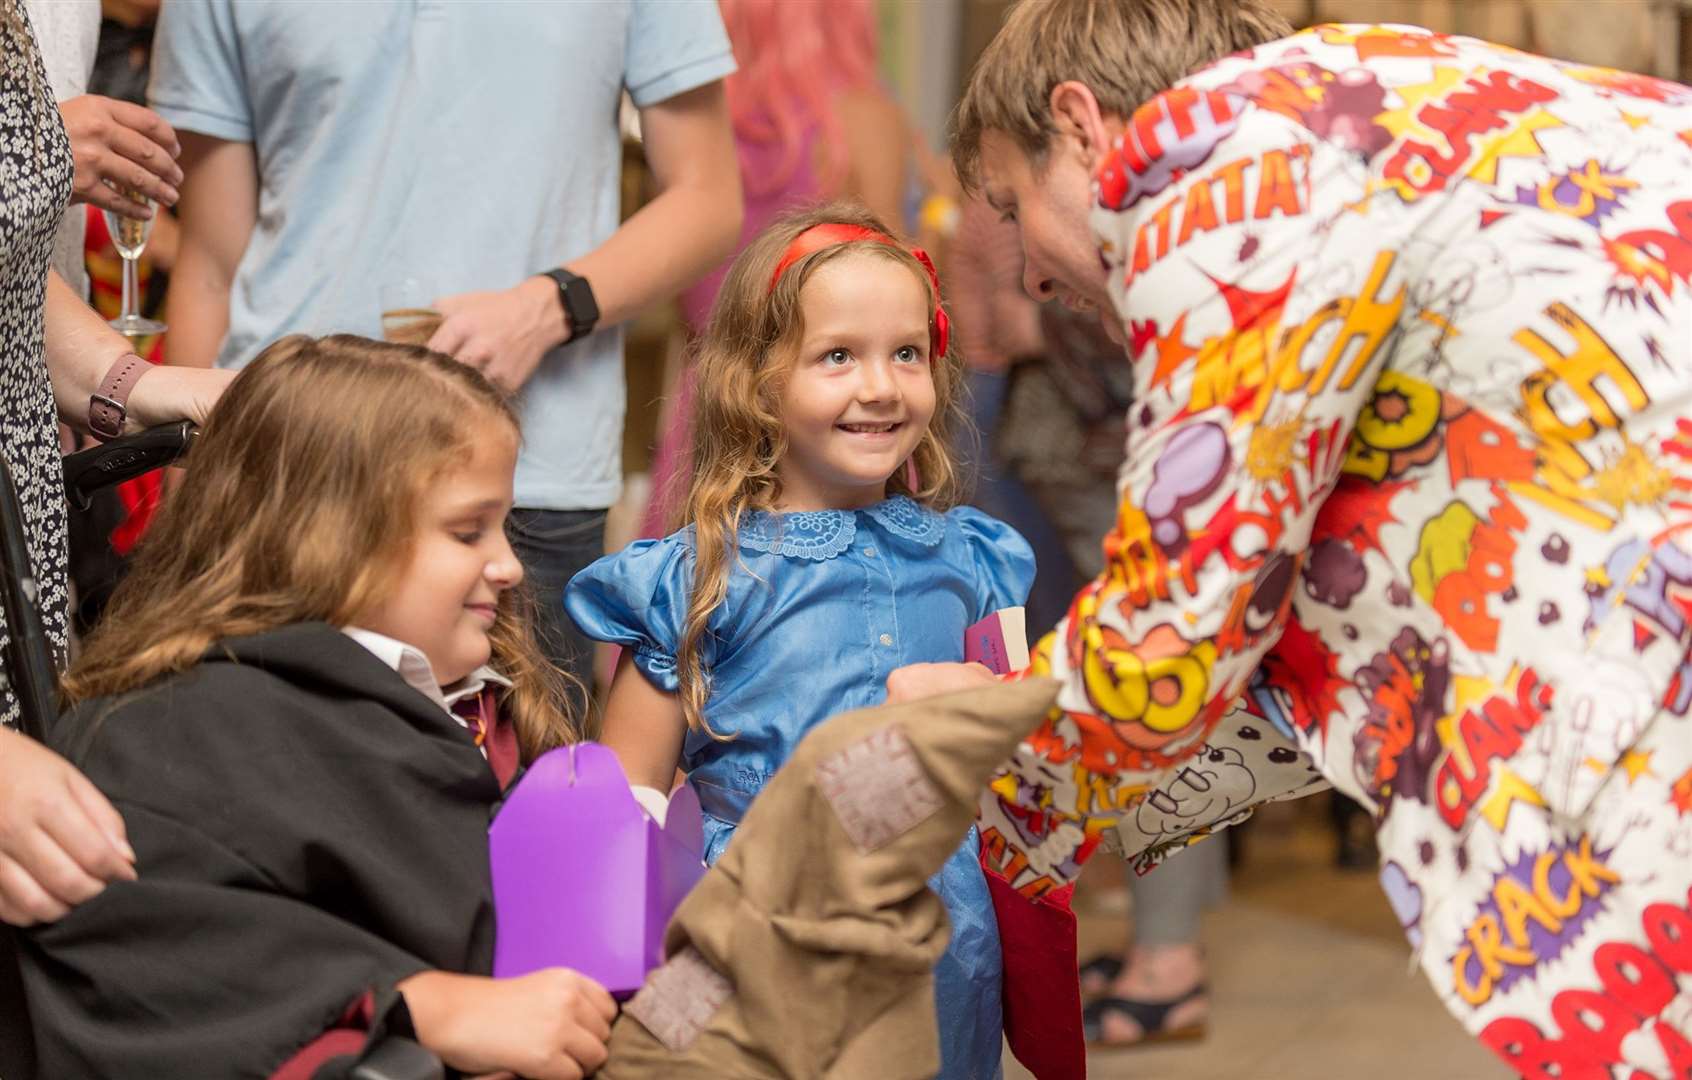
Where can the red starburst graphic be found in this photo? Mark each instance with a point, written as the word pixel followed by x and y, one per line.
pixel 1358 510
pixel 1250 308
pixel 1141 334
pixel 1302 666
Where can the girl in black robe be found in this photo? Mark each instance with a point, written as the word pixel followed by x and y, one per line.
pixel 309 818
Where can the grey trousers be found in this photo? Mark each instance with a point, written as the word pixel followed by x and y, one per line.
pixel 1169 900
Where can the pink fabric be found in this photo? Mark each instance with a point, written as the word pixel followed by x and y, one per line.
pixel 802 187
pixel 791 59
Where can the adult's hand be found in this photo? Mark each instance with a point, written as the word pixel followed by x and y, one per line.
pixel 551 1025
pixel 60 840
pixel 916 681
pixel 118 146
pixel 502 334
pixel 167 394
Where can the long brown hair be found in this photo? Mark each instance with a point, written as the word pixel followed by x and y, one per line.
pixel 744 359
pixel 300 504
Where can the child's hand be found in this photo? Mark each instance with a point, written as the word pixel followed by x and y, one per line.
pixel 60 840
pixel 551 1025
pixel 915 681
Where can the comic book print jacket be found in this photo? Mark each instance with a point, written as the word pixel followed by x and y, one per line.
pixel 1408 488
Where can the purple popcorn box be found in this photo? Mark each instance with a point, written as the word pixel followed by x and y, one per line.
pixel 582 877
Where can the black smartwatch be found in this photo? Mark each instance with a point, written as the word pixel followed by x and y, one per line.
pixel 576 295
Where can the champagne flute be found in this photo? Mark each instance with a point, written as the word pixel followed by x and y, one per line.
pixel 129 236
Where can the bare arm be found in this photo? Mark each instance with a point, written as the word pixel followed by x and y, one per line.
pixel 694 220
pixel 81 348
pixel 218 210
pixel 877 147
pixel 644 727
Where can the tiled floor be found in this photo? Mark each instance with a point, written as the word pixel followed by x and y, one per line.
pixel 1309 976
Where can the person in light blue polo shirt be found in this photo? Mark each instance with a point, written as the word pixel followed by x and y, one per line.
pixel 335 150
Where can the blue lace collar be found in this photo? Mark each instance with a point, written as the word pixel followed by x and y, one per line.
pixel 818 535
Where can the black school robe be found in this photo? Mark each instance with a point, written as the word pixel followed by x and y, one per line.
pixel 309 830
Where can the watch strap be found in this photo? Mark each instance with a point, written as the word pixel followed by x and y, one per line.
pixel 108 406
pixel 576 296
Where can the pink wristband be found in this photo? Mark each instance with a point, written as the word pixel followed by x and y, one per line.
pixel 108 407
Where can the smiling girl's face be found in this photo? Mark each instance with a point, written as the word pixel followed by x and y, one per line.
pixel 861 392
pixel 445 601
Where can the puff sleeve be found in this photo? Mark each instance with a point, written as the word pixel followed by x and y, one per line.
pixel 637 598
pixel 1002 561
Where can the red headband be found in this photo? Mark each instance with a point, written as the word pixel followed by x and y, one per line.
pixel 831 233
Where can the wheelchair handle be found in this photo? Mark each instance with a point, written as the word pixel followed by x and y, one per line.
pixel 125 458
pixel 398 1058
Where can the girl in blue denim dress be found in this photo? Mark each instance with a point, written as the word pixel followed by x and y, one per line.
pixel 816 555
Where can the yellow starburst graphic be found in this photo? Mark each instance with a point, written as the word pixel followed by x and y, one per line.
pixel 1520 140
pixel 1509 790
pixel 1469 690
pixel 1402 120
pixel 1632 479
pixel 1635 763
pixel 1272 450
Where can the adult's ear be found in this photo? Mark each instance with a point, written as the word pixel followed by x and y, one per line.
pixel 1082 123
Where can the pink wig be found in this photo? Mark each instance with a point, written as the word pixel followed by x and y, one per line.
pixel 793 57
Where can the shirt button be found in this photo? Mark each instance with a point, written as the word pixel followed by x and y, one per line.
pixel 869 552
pixel 887 639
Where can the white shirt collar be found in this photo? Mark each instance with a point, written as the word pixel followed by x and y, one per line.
pixel 414 668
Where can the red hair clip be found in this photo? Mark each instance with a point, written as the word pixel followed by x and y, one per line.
pixel 831 233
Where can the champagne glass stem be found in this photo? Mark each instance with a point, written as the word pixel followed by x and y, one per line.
pixel 128 287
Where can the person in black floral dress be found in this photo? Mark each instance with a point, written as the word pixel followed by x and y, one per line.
pixel 59 839
pixel 36 172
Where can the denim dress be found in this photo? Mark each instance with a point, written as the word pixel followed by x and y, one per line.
pixel 821 606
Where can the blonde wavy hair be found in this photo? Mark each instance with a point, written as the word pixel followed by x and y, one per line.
pixel 744 358
pixel 300 504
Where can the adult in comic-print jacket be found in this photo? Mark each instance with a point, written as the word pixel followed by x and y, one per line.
pixel 1408 487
